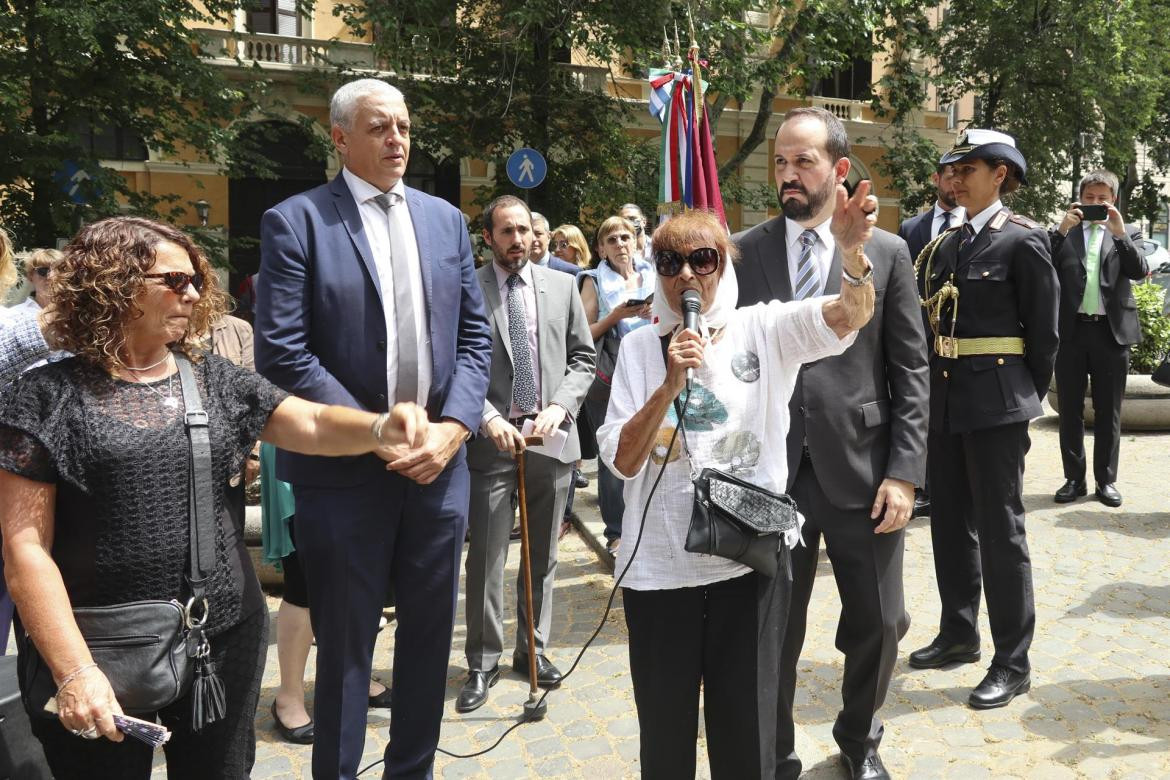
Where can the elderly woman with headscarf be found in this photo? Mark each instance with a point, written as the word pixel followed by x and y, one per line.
pixel 704 621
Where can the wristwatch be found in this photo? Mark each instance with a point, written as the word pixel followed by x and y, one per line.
pixel 854 281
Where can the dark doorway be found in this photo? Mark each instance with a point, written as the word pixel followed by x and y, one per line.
pixel 440 179
pixel 290 151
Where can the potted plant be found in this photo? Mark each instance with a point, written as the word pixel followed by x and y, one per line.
pixel 1146 406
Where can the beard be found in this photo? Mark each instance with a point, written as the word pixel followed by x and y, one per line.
pixel 815 201
pixel 509 264
pixel 947 199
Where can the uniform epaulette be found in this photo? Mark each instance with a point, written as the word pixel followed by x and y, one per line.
pixel 1020 219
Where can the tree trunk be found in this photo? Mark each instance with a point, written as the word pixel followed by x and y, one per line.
pixel 757 134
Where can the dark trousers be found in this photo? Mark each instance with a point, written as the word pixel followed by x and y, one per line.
pixel 610 497
pixel 725 637
pixel 977 531
pixel 1090 352
pixel 351 541
pixel 224 750
pixel 868 570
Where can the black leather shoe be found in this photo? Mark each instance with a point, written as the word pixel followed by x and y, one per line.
pixel 547 675
pixel 869 768
pixel 301 735
pixel 1000 686
pixel 921 505
pixel 382 701
pixel 475 691
pixel 1070 491
pixel 1107 494
pixel 941 652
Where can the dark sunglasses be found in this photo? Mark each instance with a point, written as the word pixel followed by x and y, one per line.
pixel 562 244
pixel 702 261
pixel 178 281
pixel 42 271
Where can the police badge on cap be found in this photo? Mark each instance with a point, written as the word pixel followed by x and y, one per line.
pixel 987 145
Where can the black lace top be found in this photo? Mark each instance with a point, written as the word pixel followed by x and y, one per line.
pixel 118 454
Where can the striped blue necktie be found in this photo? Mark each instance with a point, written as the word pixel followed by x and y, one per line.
pixel 808 281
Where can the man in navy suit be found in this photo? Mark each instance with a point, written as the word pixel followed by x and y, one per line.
pixel 920 230
pixel 367 296
pixel 540 254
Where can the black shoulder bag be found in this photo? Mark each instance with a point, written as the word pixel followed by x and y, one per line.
pixel 732 518
pixel 154 652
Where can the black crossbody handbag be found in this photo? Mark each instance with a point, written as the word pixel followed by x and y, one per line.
pixel 154 652
pixel 733 518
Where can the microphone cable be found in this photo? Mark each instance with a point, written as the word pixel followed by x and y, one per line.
pixel 608 605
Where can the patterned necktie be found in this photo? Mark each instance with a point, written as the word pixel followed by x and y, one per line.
pixel 807 279
pixel 407 388
pixel 524 382
pixel 1092 296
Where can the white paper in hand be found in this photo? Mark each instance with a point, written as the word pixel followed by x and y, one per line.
pixel 554 442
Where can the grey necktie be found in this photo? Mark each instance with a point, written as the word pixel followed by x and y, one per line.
pixel 523 382
pixel 407 389
pixel 807 279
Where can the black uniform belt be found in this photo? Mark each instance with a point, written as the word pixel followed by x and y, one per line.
pixel 518 421
pixel 1091 317
pixel 950 347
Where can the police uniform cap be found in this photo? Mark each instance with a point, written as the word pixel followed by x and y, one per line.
pixel 987 145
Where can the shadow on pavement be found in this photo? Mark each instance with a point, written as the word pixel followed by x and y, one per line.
pixel 1126 599
pixel 1141 525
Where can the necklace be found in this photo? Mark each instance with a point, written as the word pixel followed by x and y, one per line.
pixel 156 364
pixel 169 400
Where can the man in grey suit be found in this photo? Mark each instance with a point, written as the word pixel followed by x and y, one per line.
pixel 542 365
pixel 857 445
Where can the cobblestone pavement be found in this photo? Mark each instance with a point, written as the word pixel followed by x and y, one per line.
pixel 1099 706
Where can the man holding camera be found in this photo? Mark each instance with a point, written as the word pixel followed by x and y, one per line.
pixel 1096 255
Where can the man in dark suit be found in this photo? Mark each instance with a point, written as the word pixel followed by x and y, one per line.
pixel 1095 260
pixel 540 254
pixel 542 365
pixel 857 444
pixel 920 230
pixel 367 296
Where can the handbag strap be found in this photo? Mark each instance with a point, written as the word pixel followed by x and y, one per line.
pixel 201 503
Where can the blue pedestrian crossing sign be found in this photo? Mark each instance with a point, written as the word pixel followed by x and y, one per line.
pixel 527 168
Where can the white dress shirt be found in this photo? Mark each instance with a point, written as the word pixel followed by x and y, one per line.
pixel 936 224
pixel 822 251
pixel 378 223
pixel 983 217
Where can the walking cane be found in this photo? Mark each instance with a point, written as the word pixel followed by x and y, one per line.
pixel 534 709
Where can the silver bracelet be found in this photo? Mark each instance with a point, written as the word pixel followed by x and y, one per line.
pixel 377 425
pixel 857 281
pixel 73 676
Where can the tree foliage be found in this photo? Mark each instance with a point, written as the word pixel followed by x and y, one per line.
pixel 132 66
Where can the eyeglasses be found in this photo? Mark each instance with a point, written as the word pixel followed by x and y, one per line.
pixel 562 244
pixel 178 281
pixel 42 271
pixel 702 261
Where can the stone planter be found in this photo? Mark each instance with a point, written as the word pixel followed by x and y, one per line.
pixel 1146 406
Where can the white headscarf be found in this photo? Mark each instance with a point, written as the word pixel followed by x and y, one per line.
pixel 726 297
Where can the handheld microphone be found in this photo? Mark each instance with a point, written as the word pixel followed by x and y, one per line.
pixel 691 303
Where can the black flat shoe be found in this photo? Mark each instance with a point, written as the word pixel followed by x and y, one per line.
pixel 547 675
pixel 999 687
pixel 1108 495
pixel 1070 491
pixel 382 700
pixel 941 652
pixel 869 768
pixel 301 735
pixel 475 691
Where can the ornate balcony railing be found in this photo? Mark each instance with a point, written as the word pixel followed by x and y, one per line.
pixel 284 50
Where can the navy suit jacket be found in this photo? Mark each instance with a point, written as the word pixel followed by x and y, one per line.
pixel 557 264
pixel 916 232
pixel 320 327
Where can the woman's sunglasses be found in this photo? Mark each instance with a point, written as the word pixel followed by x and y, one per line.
pixel 178 281
pixel 702 261
pixel 562 244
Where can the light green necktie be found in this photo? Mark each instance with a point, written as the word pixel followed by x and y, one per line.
pixel 1092 296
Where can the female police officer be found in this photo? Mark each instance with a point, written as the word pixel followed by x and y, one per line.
pixel 991 296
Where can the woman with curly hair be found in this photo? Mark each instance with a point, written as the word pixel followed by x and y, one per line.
pixel 94 468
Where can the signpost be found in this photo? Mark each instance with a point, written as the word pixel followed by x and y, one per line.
pixel 527 168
